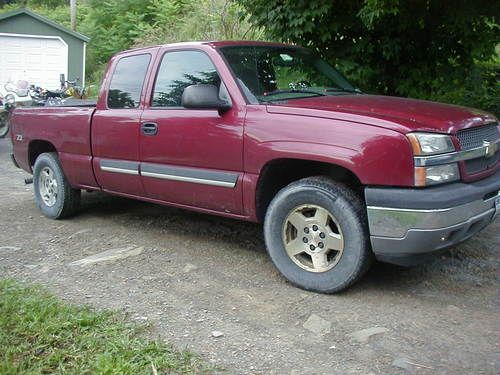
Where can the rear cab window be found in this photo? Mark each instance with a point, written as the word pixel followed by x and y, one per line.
pixel 127 81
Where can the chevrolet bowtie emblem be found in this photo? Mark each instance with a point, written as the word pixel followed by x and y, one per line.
pixel 489 148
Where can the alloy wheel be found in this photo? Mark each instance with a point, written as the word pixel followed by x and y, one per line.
pixel 313 238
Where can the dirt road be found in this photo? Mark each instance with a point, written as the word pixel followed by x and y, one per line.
pixel 195 277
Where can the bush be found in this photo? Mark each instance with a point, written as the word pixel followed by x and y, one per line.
pixel 440 50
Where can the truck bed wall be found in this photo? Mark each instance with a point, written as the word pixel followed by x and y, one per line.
pixel 67 129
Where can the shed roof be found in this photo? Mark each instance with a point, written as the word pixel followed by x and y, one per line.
pixel 40 18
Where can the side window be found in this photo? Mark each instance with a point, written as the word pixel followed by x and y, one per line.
pixel 179 70
pixel 127 81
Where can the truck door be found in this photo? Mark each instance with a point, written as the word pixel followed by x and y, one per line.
pixel 115 126
pixel 190 157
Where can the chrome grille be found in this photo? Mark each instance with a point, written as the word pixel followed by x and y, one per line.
pixel 473 138
pixel 480 164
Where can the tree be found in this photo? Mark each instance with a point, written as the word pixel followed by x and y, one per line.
pixel 117 25
pixel 198 20
pixel 435 49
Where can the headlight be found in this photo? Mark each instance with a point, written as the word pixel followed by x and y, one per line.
pixel 436 174
pixel 430 144
pixel 424 146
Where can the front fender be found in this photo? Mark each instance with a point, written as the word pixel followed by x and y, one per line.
pixel 376 155
pixel 379 161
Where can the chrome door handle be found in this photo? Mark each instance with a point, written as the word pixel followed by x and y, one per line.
pixel 149 128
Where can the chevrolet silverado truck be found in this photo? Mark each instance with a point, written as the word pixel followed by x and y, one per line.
pixel 271 133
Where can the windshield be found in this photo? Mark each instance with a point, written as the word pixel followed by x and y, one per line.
pixel 270 73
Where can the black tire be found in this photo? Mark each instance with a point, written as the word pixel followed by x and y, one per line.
pixel 349 210
pixel 4 124
pixel 67 200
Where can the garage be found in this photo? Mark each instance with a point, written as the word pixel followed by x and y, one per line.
pixel 37 59
pixel 38 50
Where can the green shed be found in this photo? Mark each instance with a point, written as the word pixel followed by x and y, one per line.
pixel 38 50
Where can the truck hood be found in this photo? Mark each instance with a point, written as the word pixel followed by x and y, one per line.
pixel 400 114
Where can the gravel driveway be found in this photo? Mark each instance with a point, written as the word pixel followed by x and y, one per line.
pixel 206 283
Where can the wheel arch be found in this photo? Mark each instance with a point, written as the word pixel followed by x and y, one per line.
pixel 37 147
pixel 278 173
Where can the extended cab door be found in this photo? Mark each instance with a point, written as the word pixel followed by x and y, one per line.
pixel 116 124
pixel 191 157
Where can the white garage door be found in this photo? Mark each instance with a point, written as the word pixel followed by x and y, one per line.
pixel 37 59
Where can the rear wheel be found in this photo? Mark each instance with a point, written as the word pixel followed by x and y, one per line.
pixel 53 193
pixel 316 235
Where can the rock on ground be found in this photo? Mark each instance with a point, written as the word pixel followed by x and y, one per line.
pixel 365 335
pixel 109 255
pixel 317 325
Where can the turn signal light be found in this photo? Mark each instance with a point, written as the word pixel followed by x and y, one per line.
pixel 438 174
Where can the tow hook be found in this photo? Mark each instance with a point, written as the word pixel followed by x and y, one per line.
pixel 28 180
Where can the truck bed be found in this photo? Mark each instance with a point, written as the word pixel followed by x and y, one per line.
pixel 66 127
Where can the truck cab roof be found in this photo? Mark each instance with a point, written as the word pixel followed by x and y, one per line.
pixel 213 44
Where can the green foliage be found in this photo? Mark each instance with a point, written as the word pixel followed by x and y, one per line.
pixel 431 49
pixel 113 26
pixel 56 10
pixel 201 20
pixel 117 25
pixel 479 89
pixel 41 335
pixel 437 49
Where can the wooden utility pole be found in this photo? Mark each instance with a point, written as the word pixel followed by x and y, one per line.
pixel 72 6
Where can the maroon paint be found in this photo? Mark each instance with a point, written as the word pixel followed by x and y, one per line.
pixel 363 133
pixel 195 138
pixel 116 132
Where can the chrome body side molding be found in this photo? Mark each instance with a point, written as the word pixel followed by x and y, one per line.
pixel 119 166
pixel 172 173
pixel 189 174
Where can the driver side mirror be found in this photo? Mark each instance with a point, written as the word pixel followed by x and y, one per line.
pixel 203 96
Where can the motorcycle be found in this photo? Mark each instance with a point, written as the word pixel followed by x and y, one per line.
pixel 43 97
pixel 76 91
pixel 37 96
pixel 6 106
pixel 19 92
pixel 49 98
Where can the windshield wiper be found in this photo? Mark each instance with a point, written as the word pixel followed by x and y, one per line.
pixel 294 91
pixel 338 89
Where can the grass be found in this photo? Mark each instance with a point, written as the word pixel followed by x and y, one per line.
pixel 40 334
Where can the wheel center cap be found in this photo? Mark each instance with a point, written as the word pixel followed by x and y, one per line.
pixel 315 235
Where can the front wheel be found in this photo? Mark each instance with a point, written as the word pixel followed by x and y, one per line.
pixel 316 235
pixel 53 193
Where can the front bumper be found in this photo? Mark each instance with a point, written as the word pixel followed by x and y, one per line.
pixel 408 225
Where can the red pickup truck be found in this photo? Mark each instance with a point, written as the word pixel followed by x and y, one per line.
pixel 271 133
